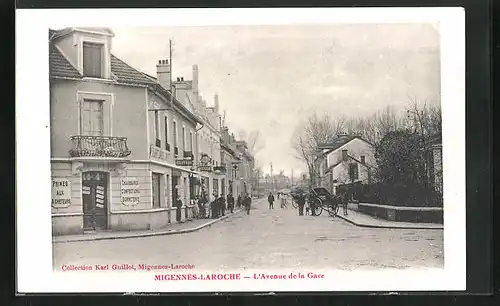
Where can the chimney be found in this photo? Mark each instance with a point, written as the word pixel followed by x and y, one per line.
pixel 344 155
pixel 163 73
pixel 195 79
pixel 216 103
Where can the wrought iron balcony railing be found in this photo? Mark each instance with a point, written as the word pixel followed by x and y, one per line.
pixel 99 146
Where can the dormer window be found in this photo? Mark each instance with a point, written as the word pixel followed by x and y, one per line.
pixel 93 60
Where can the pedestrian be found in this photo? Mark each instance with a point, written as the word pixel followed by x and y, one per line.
pixel 345 202
pixel 222 205
pixel 178 205
pixel 238 202
pixel 283 201
pixel 301 201
pixel 247 202
pixel 270 199
pixel 230 202
pixel 201 206
pixel 213 206
pixel 195 207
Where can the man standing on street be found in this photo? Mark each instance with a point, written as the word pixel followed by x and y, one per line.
pixel 345 202
pixel 214 209
pixel 247 202
pixel 301 201
pixel 239 201
pixel 178 205
pixel 222 204
pixel 230 202
pixel 270 199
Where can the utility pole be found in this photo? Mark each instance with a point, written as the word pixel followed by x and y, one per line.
pixel 272 178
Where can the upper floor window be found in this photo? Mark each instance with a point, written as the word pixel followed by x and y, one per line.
pixel 167 145
pixel 93 60
pixel 362 159
pixel 92 120
pixel 184 138
pixel 191 141
pixel 175 133
pixel 157 129
pixel 353 171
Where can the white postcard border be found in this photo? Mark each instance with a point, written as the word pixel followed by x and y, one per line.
pixel 34 238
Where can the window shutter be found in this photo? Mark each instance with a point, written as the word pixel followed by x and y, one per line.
pixel 92 60
pixel 86 129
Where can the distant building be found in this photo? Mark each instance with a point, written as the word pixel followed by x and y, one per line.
pixel 347 159
pixel 230 161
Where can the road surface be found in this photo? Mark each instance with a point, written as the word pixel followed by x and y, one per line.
pixel 268 239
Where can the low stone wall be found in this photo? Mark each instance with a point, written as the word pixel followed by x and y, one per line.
pixel 402 214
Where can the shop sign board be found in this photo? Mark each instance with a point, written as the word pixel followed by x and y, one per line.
pixel 184 162
pixel 130 193
pixel 61 192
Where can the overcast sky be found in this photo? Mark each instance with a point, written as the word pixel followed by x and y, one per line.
pixel 270 77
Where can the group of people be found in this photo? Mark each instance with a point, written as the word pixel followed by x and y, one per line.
pixel 280 197
pixel 214 206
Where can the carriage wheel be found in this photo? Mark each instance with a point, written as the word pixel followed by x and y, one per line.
pixel 318 209
pixel 334 209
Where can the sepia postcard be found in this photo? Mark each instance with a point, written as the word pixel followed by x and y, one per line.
pixel 240 150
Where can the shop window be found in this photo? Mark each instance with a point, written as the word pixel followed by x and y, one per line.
pixel 156 189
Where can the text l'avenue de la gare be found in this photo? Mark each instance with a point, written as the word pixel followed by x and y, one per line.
pixel 237 276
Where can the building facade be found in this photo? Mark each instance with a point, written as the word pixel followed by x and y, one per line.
pixel 348 159
pixel 117 139
pixel 230 162
pixel 207 137
pixel 245 170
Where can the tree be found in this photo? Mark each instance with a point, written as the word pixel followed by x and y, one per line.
pixel 310 134
pixel 401 169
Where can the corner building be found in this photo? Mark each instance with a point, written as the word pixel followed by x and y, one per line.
pixel 121 145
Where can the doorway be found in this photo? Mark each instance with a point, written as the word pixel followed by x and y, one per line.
pixel 95 200
pixel 175 194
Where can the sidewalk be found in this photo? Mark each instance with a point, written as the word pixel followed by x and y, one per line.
pixel 363 220
pixel 173 229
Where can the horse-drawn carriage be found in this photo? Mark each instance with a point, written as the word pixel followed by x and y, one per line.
pixel 320 199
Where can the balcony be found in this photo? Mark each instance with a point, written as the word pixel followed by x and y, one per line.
pixel 99 147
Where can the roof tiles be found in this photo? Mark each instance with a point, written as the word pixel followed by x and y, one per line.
pixel 59 66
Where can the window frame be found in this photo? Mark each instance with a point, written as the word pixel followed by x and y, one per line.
pixel 106 58
pixel 101 47
pixel 158 192
pixel 166 130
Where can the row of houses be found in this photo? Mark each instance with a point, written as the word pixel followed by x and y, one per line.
pixel 125 145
